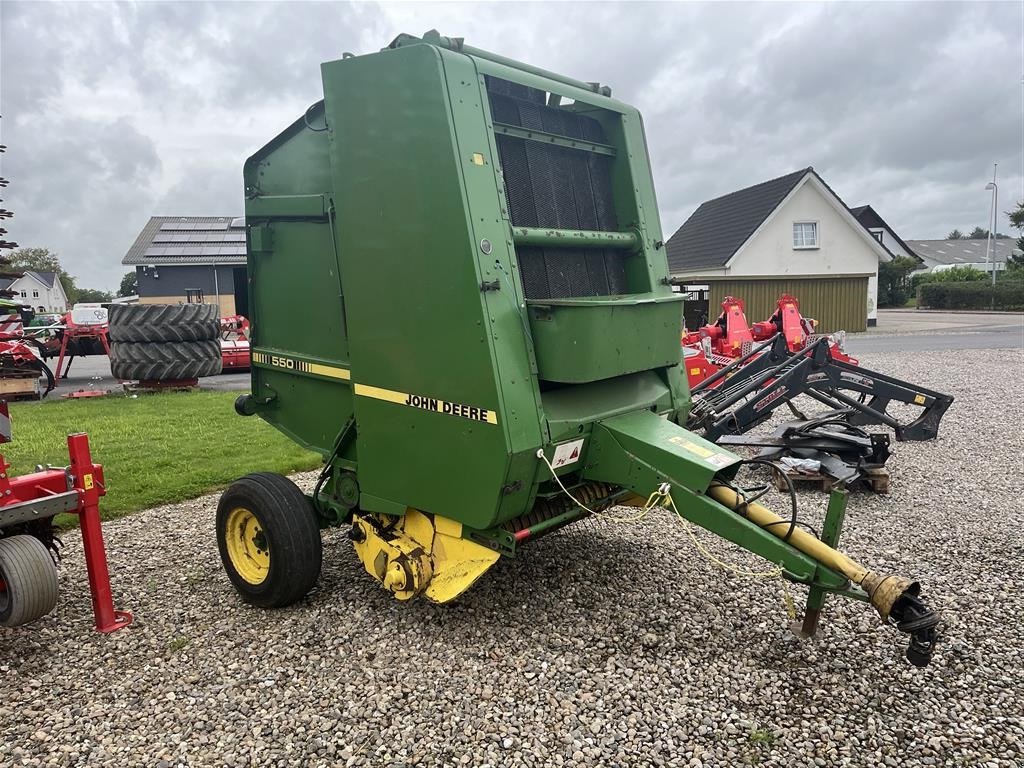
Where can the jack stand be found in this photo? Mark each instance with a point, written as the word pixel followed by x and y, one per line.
pixel 830 533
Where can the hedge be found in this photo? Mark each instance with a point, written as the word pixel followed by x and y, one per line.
pixel 1005 295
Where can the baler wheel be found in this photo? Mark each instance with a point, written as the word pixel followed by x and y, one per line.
pixel 269 540
pixel 28 580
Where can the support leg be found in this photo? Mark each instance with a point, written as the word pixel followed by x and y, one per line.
pixel 107 619
pixel 829 535
pixel 104 342
pixel 60 357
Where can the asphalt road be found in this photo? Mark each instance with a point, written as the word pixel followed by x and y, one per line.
pixel 926 331
pixel 93 373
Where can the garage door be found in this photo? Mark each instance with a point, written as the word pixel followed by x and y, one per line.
pixel 837 303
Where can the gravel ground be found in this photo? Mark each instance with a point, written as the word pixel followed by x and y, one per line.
pixel 603 645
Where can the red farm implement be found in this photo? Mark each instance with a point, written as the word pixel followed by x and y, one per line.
pixel 234 343
pixel 85 332
pixel 20 365
pixel 740 374
pixel 28 542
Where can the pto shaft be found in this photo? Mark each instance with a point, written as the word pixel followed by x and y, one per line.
pixel 894 597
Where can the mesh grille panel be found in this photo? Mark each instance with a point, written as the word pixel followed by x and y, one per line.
pixel 558 187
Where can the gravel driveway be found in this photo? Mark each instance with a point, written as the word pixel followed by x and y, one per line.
pixel 602 645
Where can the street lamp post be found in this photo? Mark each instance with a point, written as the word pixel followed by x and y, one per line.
pixel 993 219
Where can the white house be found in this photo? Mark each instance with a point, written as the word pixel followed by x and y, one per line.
pixel 40 290
pixel 791 235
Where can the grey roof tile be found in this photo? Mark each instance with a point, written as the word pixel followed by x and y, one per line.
pixel 962 251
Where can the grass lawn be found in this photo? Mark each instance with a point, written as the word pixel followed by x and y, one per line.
pixel 155 449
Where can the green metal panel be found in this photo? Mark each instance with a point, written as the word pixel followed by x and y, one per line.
pixel 575 238
pixel 287 206
pixel 294 286
pixel 587 339
pixel 423 362
pixel 837 303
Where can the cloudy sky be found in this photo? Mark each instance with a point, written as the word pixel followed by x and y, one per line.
pixel 116 112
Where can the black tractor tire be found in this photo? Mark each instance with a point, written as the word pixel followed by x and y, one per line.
pixel 164 322
pixel 165 361
pixel 274 559
pixel 30 580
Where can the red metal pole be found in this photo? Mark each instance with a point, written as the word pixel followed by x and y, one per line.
pixel 63 349
pixel 87 479
pixel 103 340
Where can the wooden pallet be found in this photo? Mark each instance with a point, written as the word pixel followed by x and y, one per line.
pixel 176 385
pixel 875 479
pixel 20 386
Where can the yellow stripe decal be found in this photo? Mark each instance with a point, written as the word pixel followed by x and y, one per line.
pixel 448 408
pixel 301 366
pixel 330 371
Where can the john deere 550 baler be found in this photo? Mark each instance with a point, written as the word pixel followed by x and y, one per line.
pixel 459 296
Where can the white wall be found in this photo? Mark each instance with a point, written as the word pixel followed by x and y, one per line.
pixel 842 250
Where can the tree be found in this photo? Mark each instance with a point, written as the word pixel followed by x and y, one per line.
pixel 129 284
pixel 894 281
pixel 1017 222
pixel 980 233
pixel 956 234
pixel 91 295
pixel 44 260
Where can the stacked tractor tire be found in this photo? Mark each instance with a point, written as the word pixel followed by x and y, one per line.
pixel 162 342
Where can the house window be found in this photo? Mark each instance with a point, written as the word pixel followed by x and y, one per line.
pixel 805 234
pixel 877 234
pixel 35 294
pixel 24 294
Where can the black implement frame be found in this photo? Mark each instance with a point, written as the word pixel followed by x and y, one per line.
pixel 769 376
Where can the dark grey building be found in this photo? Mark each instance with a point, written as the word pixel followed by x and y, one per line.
pixel 191 259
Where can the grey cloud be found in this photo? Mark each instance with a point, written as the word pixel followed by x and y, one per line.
pixel 115 112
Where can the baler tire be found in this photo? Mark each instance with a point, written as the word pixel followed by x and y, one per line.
pixel 165 360
pixel 291 534
pixel 164 322
pixel 30 580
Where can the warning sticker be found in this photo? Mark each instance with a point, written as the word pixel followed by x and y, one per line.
pixel 709 456
pixel 567 453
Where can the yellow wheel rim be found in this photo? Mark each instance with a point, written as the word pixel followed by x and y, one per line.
pixel 247 545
